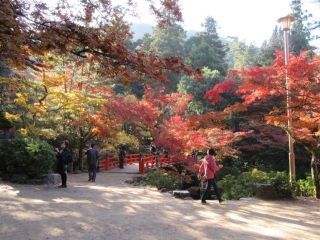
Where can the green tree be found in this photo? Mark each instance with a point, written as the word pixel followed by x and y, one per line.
pixel 268 47
pixel 144 43
pixel 300 33
pixel 188 85
pixel 242 55
pixel 206 48
pixel 299 36
pixel 168 41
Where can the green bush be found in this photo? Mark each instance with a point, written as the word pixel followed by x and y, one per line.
pixel 232 189
pixel 281 184
pixel 162 180
pixel 231 166
pixel 305 187
pixel 30 156
pixel 258 176
pixel 243 185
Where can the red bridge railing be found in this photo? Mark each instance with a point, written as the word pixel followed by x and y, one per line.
pixel 144 161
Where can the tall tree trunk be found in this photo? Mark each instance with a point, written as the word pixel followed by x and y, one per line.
pixel 315 174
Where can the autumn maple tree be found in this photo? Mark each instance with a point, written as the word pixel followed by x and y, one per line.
pixel 164 117
pixel 95 29
pixel 63 60
pixel 263 85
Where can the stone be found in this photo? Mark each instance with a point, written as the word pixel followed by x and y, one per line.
pixel 194 192
pixel 129 181
pixel 138 179
pixel 51 179
pixel 164 190
pixel 181 194
pixel 265 191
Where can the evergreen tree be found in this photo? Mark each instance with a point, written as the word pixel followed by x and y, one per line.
pixel 188 85
pixel 268 47
pixel 144 43
pixel 206 48
pixel 241 55
pixel 168 41
pixel 300 34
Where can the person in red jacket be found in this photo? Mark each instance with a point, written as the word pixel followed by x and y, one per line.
pixel 208 170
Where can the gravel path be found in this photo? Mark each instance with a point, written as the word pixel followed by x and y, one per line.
pixel 112 209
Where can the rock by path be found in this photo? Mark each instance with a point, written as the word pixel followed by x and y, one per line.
pixel 112 209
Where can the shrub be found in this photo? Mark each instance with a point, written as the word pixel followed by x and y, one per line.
pixel 305 187
pixel 231 187
pixel 281 184
pixel 226 170
pixel 231 166
pixel 258 176
pixel 30 156
pixel 243 185
pixel 162 180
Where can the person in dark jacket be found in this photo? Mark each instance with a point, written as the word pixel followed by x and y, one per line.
pixel 64 157
pixel 122 156
pixel 153 149
pixel 92 159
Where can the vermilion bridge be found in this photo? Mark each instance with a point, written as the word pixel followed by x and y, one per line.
pixel 144 161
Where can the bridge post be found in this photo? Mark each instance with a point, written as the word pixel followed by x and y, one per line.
pixel 141 165
pixel 107 163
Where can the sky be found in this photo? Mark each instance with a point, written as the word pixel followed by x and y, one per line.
pixel 249 20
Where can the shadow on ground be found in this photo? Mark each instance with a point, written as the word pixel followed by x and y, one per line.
pixel 111 209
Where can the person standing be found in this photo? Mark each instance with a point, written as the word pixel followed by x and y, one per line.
pixel 153 149
pixel 92 159
pixel 122 156
pixel 208 170
pixel 64 157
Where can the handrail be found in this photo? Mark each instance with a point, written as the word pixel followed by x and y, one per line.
pixel 144 161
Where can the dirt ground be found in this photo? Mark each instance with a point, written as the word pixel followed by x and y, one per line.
pixel 112 209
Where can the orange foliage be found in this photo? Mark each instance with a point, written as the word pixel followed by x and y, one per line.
pixel 94 30
pixel 259 85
